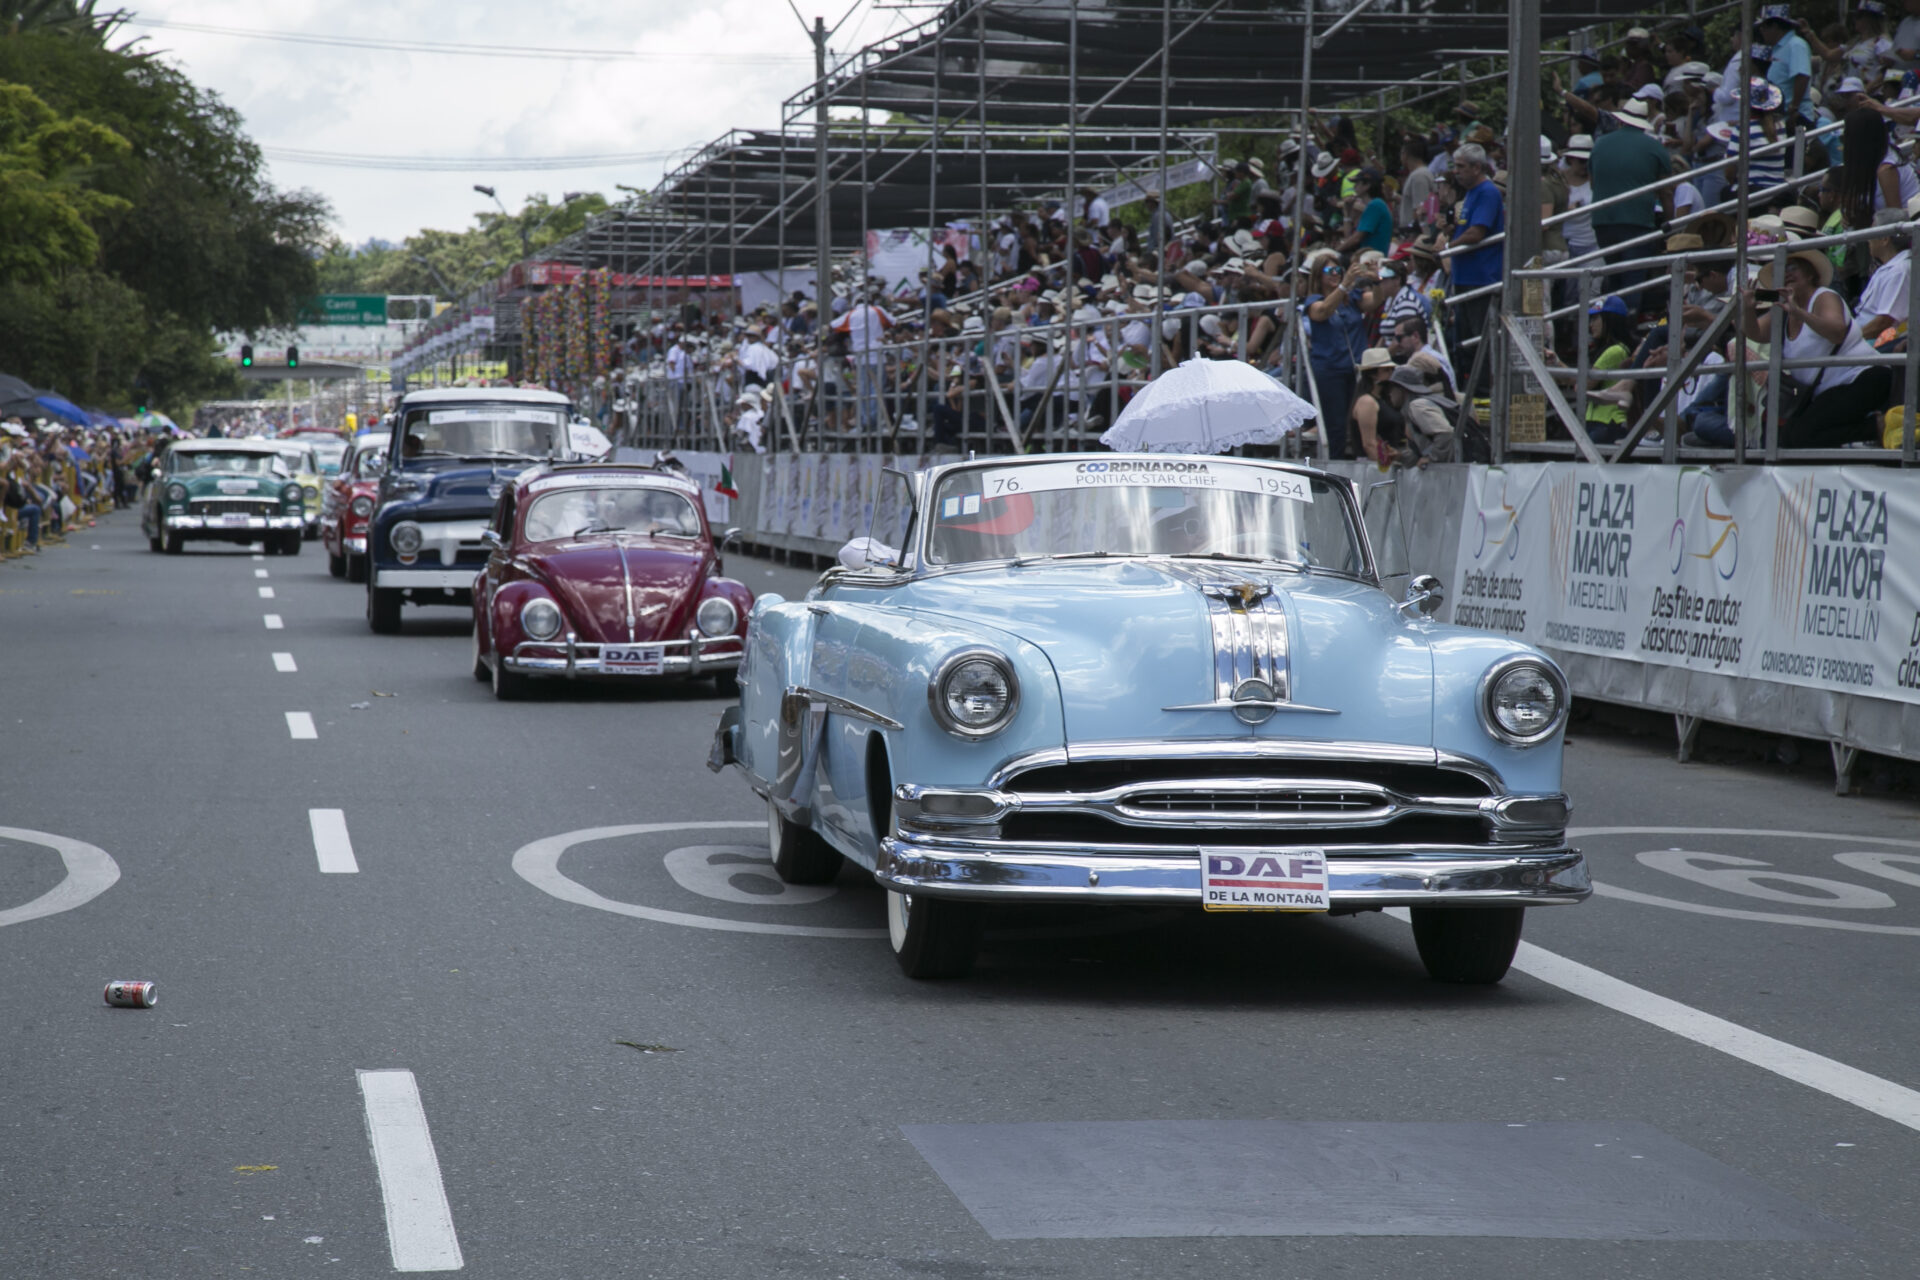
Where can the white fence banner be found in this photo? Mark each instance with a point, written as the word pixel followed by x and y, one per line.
pixel 1778 574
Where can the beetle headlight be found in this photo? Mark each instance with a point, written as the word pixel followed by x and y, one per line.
pixel 717 616
pixel 176 493
pixel 362 506
pixel 406 538
pixel 1523 701
pixel 974 694
pixel 541 619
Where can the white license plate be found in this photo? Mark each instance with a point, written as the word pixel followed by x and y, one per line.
pixel 634 660
pixel 1263 879
pixel 240 521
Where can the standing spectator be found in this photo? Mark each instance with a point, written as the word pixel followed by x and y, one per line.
pixel 1763 129
pixel 1373 229
pixel 1418 185
pixel 1622 161
pixel 1093 210
pixel 1336 341
pixel 1866 57
pixel 1579 230
pixel 1159 224
pixel 1792 65
pixel 1906 39
pixel 866 326
pixel 1482 214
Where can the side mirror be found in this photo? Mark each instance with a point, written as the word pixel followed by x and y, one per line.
pixel 1425 595
pixel 491 538
pixel 730 537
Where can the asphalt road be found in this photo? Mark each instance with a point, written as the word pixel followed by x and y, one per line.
pixel 1156 1095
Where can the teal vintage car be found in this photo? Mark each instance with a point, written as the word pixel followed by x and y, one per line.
pixel 225 491
pixel 1117 679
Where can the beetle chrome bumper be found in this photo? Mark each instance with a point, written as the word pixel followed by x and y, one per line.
pixel 1359 876
pixel 572 659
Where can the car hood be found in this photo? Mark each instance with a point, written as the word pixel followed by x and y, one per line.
pixel 1132 639
pixel 587 577
pixel 238 484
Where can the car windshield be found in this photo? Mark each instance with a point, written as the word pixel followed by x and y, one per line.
pixel 253 464
pixel 572 513
pixel 301 460
pixel 1203 507
pixel 330 456
pixel 482 431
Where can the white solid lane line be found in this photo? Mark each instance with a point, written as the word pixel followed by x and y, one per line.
pixel 266 593
pixel 330 842
pixel 283 662
pixel 419 1220
pixel 274 623
pixel 300 724
pixel 1835 1079
pixel 259 573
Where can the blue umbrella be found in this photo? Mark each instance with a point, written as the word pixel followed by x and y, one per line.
pixel 61 407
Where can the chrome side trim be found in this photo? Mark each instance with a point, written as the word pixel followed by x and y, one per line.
pixel 833 702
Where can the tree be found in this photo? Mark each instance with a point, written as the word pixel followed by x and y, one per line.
pixel 47 202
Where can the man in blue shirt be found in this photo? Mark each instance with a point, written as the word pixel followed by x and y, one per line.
pixel 1792 65
pixel 1482 214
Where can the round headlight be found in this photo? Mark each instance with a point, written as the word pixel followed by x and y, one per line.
pixel 1523 701
pixel 974 694
pixel 717 616
pixel 362 506
pixel 406 538
pixel 310 491
pixel 176 493
pixel 541 619
pixel 290 492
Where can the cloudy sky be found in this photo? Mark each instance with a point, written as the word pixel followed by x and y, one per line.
pixel 705 66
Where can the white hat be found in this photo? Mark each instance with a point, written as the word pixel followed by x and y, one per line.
pixel 1087 315
pixel 1243 243
pixel 1546 149
pixel 1635 115
pixel 1851 84
pixel 973 324
pixel 1641 33
pixel 1198 267
pixel 1210 325
pixel 1650 93
pixel 1324 164
pixel 1579 146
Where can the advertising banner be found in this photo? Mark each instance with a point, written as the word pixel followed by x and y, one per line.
pixel 1778 574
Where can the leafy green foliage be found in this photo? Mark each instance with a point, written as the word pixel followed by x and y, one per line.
pixel 449 263
pixel 151 224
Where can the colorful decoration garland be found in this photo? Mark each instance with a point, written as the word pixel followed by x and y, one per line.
pixel 569 333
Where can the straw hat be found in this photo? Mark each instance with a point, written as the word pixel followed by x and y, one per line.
pixel 1714 229
pixel 1684 242
pixel 1146 293
pixel 1243 243
pixel 1376 358
pixel 1800 220
pixel 1820 263
pixel 1324 163
pixel 1635 115
pixel 1259 169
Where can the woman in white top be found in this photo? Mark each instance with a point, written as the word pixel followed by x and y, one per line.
pixel 1817 323
pixel 1873 175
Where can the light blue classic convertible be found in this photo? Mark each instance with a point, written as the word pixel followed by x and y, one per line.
pixel 1113 678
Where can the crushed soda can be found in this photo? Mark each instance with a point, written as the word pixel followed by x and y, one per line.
pixel 132 995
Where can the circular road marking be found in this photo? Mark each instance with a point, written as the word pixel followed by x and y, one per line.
pixel 1735 913
pixel 539 865
pixel 90 873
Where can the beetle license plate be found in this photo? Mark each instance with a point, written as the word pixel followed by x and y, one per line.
pixel 1245 879
pixel 634 660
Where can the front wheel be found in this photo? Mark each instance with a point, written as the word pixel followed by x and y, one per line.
pixel 800 855
pixel 932 937
pixel 726 684
pixel 507 687
pixel 336 565
pixel 356 568
pixel 176 543
pixel 1467 944
pixel 480 671
pixel 290 544
pixel 154 543
pixel 383 611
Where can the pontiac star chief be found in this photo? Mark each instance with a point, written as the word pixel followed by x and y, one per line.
pixel 1152 679
pixel 450 454
pixel 604 572
pixel 225 491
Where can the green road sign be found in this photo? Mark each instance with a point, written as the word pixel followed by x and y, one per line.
pixel 345 308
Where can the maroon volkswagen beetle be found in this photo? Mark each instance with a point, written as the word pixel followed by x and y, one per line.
pixel 606 572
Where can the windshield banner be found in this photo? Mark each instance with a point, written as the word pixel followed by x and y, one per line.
pixel 486 413
pixel 1172 472
pixel 1778 574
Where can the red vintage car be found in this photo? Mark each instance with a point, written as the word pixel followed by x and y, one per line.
pixel 604 571
pixel 348 504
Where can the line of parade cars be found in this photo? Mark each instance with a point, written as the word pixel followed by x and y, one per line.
pixel 1112 680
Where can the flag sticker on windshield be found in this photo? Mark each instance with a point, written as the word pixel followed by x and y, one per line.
pixel 1172 472
pixel 960 505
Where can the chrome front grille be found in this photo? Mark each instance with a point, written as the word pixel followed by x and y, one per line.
pixel 1268 802
pixel 234 507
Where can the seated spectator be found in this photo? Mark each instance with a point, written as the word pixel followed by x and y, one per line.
pixel 1373 418
pixel 1883 303
pixel 1828 406
pixel 1410 342
pixel 1425 414
pixel 1609 347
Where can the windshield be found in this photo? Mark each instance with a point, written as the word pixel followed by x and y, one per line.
pixel 300 460
pixel 574 512
pixel 1207 507
pixel 253 464
pixel 482 431
pixel 330 456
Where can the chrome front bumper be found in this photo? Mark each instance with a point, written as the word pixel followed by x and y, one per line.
pixel 221 524
pixel 357 546
pixel 572 658
pixel 1359 876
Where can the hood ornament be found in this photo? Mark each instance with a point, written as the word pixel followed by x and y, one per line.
pixel 1250 593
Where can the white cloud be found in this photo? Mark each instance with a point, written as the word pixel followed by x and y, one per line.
pixel 383 102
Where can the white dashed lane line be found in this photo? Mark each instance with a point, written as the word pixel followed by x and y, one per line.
pixel 259 573
pixel 273 622
pixel 284 662
pixel 300 724
pixel 266 593
pixel 258 556
pixel 330 842
pixel 419 1220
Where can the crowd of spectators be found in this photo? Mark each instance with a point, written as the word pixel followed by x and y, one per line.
pixel 54 478
pixel 1059 312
